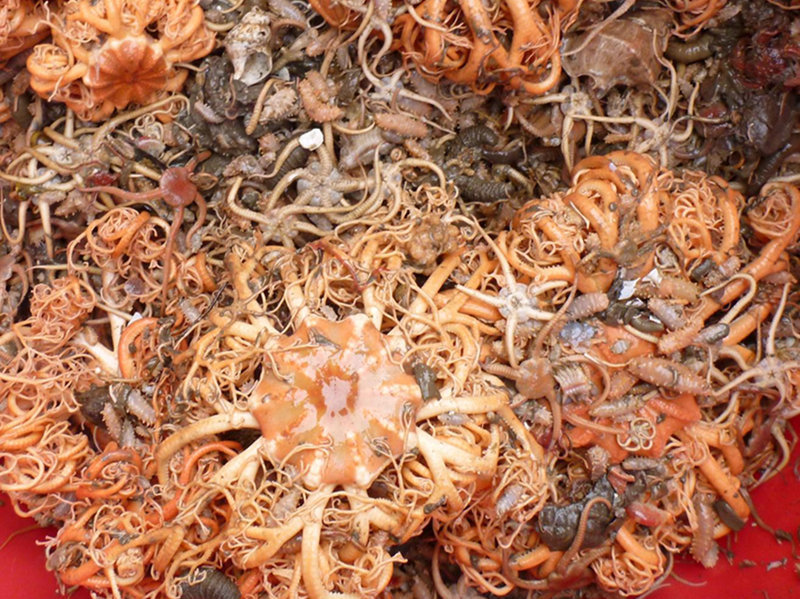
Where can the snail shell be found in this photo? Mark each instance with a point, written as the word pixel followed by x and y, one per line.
pixel 247 47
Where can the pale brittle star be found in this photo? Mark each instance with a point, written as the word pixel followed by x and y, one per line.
pixel 515 301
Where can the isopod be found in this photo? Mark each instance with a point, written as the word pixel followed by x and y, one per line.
pixel 586 305
pixel 680 338
pixel 137 405
pixel 668 374
pixel 508 499
pixel 667 312
pixel 401 124
pixel 210 583
pixel 361 147
pixel 637 463
pixel 112 421
pixel 191 313
pixel 619 407
pixel 620 383
pixel 676 288
pixel 315 93
pixel 703 547
pixel 127 436
pixel 598 462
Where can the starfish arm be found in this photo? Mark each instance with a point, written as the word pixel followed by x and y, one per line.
pixel 484 297
pixel 527 313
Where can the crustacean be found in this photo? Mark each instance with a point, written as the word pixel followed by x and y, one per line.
pixel 637 391
pixel 113 53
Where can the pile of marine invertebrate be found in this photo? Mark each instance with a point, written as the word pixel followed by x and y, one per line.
pixel 447 297
pixel 514 45
pixel 639 375
pixel 110 54
pixel 568 401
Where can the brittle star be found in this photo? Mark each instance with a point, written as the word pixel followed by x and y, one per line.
pixel 515 301
pixel 178 191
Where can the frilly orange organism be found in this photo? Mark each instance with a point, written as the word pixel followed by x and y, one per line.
pixel 338 386
pixel 118 52
pixel 513 44
pixel 21 26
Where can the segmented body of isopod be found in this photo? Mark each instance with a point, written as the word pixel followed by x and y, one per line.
pixel 680 338
pixel 509 498
pixel 138 406
pixel 703 547
pixel 401 124
pixel 452 418
pixel 637 463
pixel 674 288
pixel 586 305
pixel 127 437
pixel 620 383
pixel 619 407
pixel 668 374
pixel 360 148
pixel 573 382
pixel 669 313
pixel 598 461
pixel 112 420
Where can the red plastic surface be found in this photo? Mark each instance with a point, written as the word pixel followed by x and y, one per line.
pixel 778 501
pixel 24 575
pixel 778 504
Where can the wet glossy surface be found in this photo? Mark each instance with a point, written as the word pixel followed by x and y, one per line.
pixel 778 502
pixel 333 386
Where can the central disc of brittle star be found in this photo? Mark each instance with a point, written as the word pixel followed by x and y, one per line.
pixel 333 403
